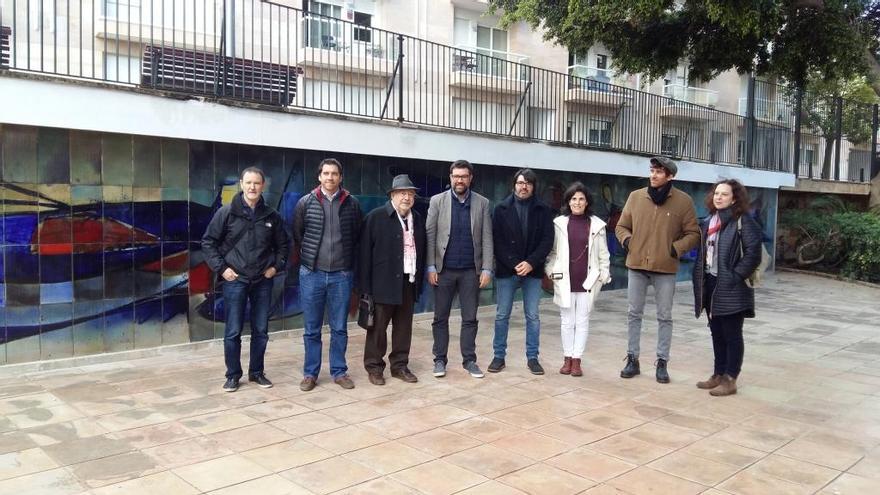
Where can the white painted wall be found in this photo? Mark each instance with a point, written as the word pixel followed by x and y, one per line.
pixel 84 107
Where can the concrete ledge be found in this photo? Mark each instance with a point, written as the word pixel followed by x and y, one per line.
pixel 831 276
pixel 830 187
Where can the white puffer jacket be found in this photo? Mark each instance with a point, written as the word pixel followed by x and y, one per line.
pixel 599 261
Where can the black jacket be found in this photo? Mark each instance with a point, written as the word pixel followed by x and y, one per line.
pixel 380 268
pixel 261 241
pixel 308 226
pixel 510 246
pixel 732 295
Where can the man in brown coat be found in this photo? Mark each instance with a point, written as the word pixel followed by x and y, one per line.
pixel 657 226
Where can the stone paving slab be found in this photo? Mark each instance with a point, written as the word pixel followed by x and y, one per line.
pixel 806 418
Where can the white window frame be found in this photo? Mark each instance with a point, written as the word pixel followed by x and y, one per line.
pixel 132 62
pixel 132 6
pixel 600 127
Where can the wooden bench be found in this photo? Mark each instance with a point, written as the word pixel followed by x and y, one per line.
pixel 201 72
pixel 5 47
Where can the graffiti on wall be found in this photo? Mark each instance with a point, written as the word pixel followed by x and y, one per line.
pixel 100 233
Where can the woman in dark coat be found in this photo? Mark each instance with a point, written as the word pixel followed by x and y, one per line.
pixel 729 251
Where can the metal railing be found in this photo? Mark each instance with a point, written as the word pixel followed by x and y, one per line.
pixel 773 110
pixel 270 53
pixel 601 75
pixel 690 94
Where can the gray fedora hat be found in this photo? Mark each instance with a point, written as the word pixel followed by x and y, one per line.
pixel 402 182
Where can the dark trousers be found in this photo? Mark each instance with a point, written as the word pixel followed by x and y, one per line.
pixel 401 317
pixel 465 283
pixel 236 296
pixel 727 336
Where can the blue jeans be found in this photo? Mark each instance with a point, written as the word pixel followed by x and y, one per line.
pixel 236 295
pixel 504 291
pixel 319 290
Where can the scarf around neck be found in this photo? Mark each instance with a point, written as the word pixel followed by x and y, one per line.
pixel 659 194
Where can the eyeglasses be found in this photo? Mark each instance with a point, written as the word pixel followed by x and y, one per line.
pixel 523 183
pixel 460 177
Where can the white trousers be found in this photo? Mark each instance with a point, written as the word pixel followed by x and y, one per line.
pixel 575 325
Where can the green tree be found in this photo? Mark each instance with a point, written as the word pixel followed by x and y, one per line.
pixel 783 38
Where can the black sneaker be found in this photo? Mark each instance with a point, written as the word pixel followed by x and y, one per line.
pixel 260 380
pixel 231 385
pixel 535 367
pixel 662 374
pixel 496 365
pixel 632 367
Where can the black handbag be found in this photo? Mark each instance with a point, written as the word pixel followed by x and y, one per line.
pixel 366 312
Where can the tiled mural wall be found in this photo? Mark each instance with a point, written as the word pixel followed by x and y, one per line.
pixel 99 239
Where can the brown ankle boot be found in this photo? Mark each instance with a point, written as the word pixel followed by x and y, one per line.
pixel 711 383
pixel 727 387
pixel 576 367
pixel 566 366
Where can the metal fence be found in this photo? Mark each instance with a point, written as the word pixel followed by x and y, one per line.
pixel 818 136
pixel 271 53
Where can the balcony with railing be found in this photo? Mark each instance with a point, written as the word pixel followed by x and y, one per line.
pixel 330 43
pixel 599 87
pixel 490 70
pixel 688 102
pixel 769 110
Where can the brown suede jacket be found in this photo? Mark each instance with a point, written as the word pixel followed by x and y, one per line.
pixel 658 235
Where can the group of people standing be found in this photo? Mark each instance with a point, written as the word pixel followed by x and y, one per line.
pixel 459 248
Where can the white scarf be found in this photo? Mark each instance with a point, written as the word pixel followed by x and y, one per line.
pixel 409 246
pixel 712 241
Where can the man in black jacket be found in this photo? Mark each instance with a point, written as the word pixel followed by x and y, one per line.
pixel 246 244
pixel 326 226
pixel 390 272
pixel 522 231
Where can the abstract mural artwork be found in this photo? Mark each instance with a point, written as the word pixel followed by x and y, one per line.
pixel 100 233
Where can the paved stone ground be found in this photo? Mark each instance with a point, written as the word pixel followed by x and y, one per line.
pixel 805 420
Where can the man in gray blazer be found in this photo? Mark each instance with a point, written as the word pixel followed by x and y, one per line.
pixel 460 260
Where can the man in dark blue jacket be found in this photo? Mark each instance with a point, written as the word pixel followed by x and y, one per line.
pixel 246 244
pixel 522 231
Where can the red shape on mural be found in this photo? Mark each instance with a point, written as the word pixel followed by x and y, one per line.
pixel 89 235
pixel 200 277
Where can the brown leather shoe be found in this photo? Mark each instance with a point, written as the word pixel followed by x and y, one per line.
pixel 344 381
pixel 576 367
pixel 405 374
pixel 711 383
pixel 727 387
pixel 308 383
pixel 566 366
pixel 376 378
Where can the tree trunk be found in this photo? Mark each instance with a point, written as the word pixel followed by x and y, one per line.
pixel 826 161
pixel 873 69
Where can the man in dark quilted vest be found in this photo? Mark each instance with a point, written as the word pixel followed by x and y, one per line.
pixel 326 225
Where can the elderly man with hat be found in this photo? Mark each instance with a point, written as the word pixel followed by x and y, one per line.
pixel 657 226
pixel 391 266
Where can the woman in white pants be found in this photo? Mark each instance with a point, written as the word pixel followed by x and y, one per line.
pixel 579 266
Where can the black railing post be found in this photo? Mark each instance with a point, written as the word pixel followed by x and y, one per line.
pixel 838 135
pixel 750 122
pixel 220 61
pixel 400 78
pixel 798 108
pixel 875 127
